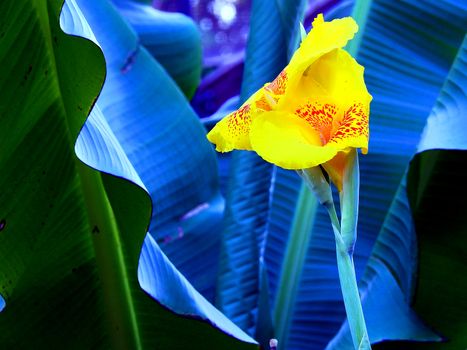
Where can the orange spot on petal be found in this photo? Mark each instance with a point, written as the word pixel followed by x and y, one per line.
pixel 239 121
pixel 263 104
pixel 278 85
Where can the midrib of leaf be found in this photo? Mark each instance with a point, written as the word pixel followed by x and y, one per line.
pixel 110 261
pixel 123 328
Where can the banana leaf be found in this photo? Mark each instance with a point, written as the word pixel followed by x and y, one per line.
pixel 247 199
pixel 158 137
pixel 71 236
pixel 173 39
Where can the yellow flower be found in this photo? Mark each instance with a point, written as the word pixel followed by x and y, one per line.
pixel 313 113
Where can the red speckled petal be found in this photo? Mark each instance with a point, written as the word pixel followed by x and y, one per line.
pixel 352 131
pixel 278 85
pixel 232 132
pixel 320 117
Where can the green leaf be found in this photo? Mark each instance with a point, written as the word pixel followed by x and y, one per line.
pixel 71 236
pixel 46 251
pixel 438 204
pixel 437 192
pixel 124 107
pixel 157 129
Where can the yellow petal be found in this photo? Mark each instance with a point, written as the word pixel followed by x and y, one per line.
pixel 334 92
pixel 334 78
pixel 288 141
pixel 323 38
pixel 232 132
pixel 321 116
pixel 277 86
pixel 337 74
pixel 316 108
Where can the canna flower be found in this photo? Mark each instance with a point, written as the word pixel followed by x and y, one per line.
pixel 313 113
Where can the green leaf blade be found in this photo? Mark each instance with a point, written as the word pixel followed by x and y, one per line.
pixel 56 291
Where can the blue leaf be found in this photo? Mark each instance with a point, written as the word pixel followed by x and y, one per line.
pixel 172 38
pixel 437 199
pixel 387 314
pixel 98 147
pixel 244 225
pixel 388 282
pixel 445 126
pixel 2 303
pixel 285 189
pixel 247 199
pixel 394 263
pixel 160 279
pixel 157 129
pixel 126 136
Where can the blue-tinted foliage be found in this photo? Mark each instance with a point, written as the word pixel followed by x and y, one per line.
pixel 120 126
pixel 445 126
pixel 388 282
pixel 406 63
pixel 154 124
pixel 160 279
pixel 2 303
pixel 387 314
pixel 395 254
pixel 172 38
pixel 247 200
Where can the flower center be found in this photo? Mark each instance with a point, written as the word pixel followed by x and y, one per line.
pixel 320 117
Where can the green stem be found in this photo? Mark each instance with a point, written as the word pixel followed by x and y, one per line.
pixel 349 287
pixel 336 226
pixel 292 265
pixel 353 306
pixel 123 326
pixel 345 241
pixel 345 233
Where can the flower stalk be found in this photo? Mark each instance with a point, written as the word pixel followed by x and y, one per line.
pixel 345 233
pixel 353 306
pixel 349 198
